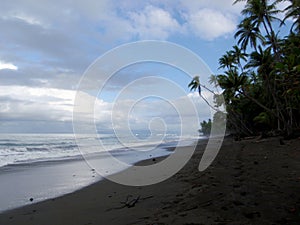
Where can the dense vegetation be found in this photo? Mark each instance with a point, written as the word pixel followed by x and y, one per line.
pixel 205 127
pixel 260 77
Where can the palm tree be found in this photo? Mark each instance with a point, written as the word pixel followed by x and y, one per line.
pixel 273 38
pixel 248 33
pixel 195 85
pixel 231 59
pixel 270 78
pixel 238 56
pixel 287 71
pixel 232 83
pixel 293 12
pixel 261 12
pixel 262 60
pixel 227 61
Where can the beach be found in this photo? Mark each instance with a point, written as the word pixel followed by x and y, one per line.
pixel 254 181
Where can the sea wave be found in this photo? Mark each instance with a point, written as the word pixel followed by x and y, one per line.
pixel 22 148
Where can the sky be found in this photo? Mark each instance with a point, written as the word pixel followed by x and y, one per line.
pixel 48 45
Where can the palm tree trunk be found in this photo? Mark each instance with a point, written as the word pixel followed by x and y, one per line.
pixel 243 126
pixel 280 117
pixel 271 33
pixel 214 108
pixel 258 103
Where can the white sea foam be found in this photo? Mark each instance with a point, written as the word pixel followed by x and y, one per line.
pixel 26 148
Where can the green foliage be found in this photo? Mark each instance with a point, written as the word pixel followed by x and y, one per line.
pixel 263 118
pixel 205 127
pixel 195 85
pixel 293 12
pixel 260 80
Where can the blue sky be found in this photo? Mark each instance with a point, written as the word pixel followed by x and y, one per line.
pixel 47 45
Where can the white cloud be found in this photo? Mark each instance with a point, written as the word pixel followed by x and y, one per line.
pixel 224 5
pixel 28 19
pixel 70 36
pixel 210 24
pixel 7 66
pixel 21 103
pixel 26 103
pixel 154 22
pixel 52 43
pixel 281 6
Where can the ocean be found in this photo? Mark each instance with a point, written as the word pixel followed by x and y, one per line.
pixel 45 166
pixel 29 148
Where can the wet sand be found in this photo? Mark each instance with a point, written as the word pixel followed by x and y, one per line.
pixel 250 182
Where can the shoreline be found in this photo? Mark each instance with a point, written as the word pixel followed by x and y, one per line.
pixel 113 151
pixel 250 182
pixel 42 180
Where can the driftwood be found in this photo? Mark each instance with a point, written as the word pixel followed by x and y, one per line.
pixel 130 202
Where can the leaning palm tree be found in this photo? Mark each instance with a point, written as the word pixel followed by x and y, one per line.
pixel 232 84
pixel 195 85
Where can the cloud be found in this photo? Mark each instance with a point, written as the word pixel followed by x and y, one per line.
pixel 210 24
pixel 154 23
pixel 282 5
pixel 207 20
pixel 25 18
pixel 7 66
pixel 57 35
pixel 46 47
pixel 33 106
pixel 225 6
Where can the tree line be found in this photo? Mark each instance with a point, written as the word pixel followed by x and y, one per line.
pixel 260 75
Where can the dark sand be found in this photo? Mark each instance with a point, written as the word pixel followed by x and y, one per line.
pixel 250 182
